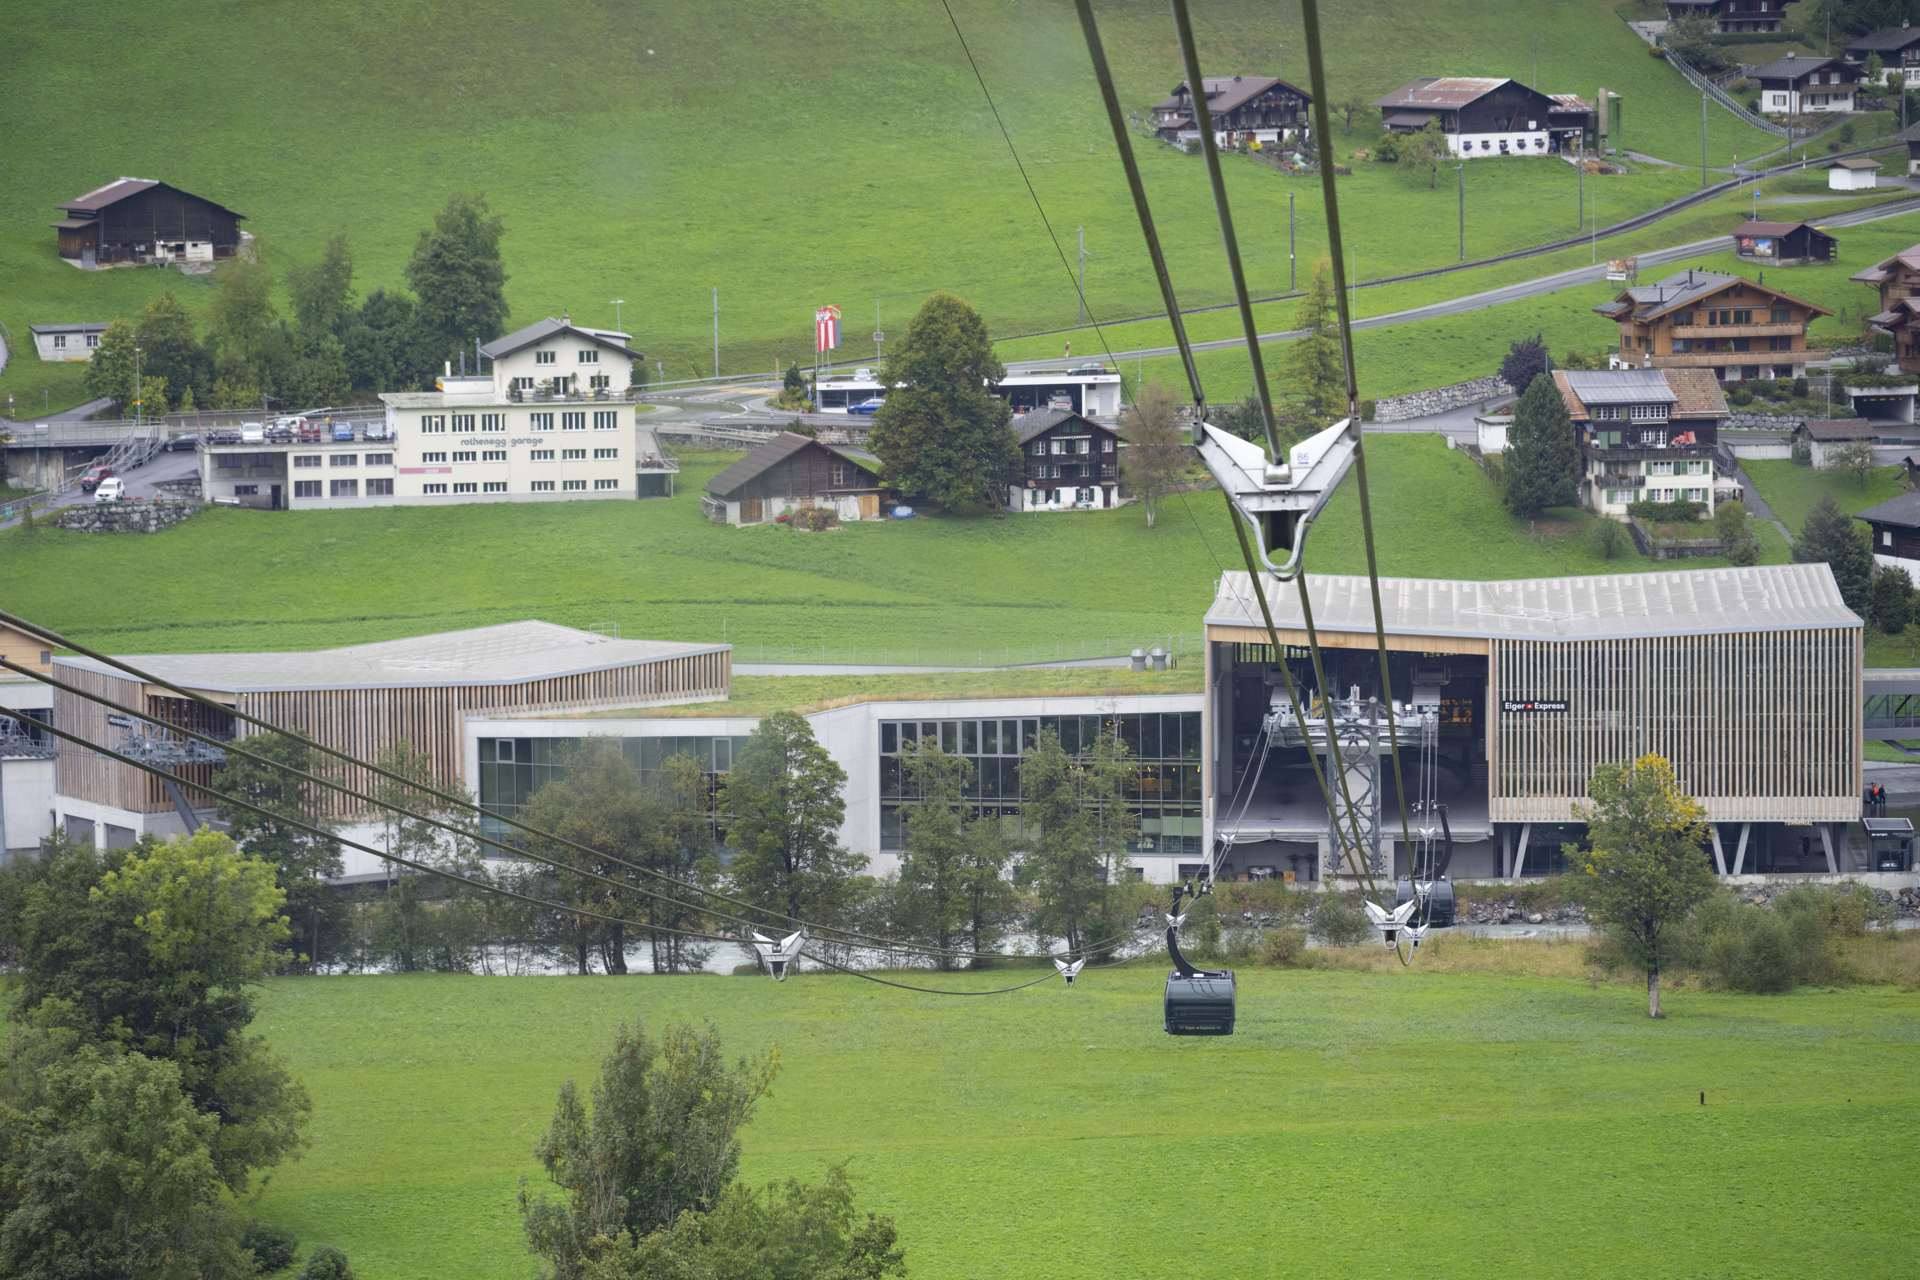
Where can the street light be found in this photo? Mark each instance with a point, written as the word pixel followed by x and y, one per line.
pixel 617 304
pixel 1460 168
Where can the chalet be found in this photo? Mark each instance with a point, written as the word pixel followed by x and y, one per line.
pixel 1731 16
pixel 1895 526
pixel 1898 49
pixel 140 220
pixel 1798 86
pixel 1911 136
pixel 1853 173
pixel 1067 463
pixel 1898 280
pixel 1782 243
pixel 66 341
pixel 1241 108
pixel 1646 435
pixel 790 472
pixel 1488 116
pixel 1705 320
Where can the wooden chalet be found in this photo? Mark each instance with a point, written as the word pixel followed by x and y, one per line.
pixel 792 471
pixel 1704 320
pixel 1783 242
pixel 1898 281
pixel 1797 85
pixel 142 220
pixel 1645 434
pixel 1898 49
pixel 1732 16
pixel 1895 525
pixel 1911 136
pixel 1488 116
pixel 1242 109
pixel 1067 463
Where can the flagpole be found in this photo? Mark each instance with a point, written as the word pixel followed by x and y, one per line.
pixel 814 393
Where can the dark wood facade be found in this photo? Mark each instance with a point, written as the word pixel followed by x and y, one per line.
pixel 1783 242
pixel 1061 450
pixel 137 221
pixel 1251 105
pixel 793 471
pixel 1732 16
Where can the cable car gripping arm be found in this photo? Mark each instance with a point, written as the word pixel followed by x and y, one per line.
pixel 1279 498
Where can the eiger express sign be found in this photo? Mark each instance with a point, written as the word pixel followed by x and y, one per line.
pixel 1531 706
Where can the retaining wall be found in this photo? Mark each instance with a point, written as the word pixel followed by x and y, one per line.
pixel 1420 404
pixel 126 517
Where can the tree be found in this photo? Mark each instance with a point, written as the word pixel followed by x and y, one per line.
pixel 1831 537
pixel 1735 530
pixel 385 347
pixel 1691 39
pixel 1525 361
pixel 1542 456
pixel 1156 453
pixel 420 920
pixel 784 809
pixel 106 1167
pixel 1646 862
pixel 1854 459
pixel 661 1138
pixel 152 400
pixel 323 291
pixel 933 864
pixel 303 861
pixel 1079 804
pixel 457 275
pixel 1356 105
pixel 785 1231
pixel 317 374
pixel 1241 418
pixel 157 949
pixel 1892 603
pixel 1316 369
pixel 941 434
pixel 1422 151
pixel 242 325
pixel 989 897
pixel 110 367
pixel 169 349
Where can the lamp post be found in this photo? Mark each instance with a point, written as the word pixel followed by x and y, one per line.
pixel 1460 169
pixel 617 304
pixel 136 386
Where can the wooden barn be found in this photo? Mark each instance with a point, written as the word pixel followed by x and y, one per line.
pixel 1488 115
pixel 143 220
pixel 792 471
pixel 1783 242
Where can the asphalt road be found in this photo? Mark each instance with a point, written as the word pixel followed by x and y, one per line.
pixel 1493 297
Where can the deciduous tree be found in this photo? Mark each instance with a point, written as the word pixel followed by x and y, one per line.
pixel 784 807
pixel 933 864
pixel 941 434
pixel 169 349
pixel 1854 460
pixel 323 290
pixel 1734 528
pixel 1422 151
pixel 110 367
pixel 458 277
pixel 1542 457
pixel 1892 599
pixel 1647 861
pixel 302 860
pixel 1830 536
pixel 1525 360
pixel 1156 453
pixel 242 326
pixel 386 347
pixel 1079 803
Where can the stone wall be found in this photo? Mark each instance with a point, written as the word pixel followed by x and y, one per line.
pixel 1420 404
pixel 1740 420
pixel 126 517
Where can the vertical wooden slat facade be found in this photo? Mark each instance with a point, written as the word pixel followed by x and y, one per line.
pixel 1760 726
pixel 366 722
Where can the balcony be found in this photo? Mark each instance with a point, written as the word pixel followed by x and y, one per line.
pixel 1785 329
pixel 1722 359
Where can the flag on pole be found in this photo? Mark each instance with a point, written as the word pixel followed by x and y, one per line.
pixel 826 329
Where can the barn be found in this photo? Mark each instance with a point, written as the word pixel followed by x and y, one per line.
pixel 136 220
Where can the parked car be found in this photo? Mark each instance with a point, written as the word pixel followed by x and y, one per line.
pixel 112 489
pixel 869 406
pixel 186 443
pixel 223 435
pixel 343 433
pixel 309 432
pixel 95 474
pixel 377 431
pixel 278 434
pixel 253 433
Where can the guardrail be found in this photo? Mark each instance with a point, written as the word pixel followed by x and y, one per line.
pixel 67 434
pixel 14 508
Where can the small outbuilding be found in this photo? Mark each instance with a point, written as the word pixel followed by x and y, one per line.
pixel 792 472
pixel 1854 173
pixel 1896 531
pixel 1824 436
pixel 1783 242
pixel 66 342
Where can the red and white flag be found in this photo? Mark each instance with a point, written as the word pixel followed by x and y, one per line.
pixel 826 329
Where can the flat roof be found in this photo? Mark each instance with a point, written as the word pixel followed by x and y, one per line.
pixel 509 653
pixel 1790 597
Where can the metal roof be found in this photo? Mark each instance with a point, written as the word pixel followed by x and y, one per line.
pixel 1041 421
pixel 120 188
pixel 1885 40
pixel 1621 386
pixel 1794 68
pixel 1788 597
pixel 1683 287
pixel 510 653
pixel 1854 162
pixel 1444 93
pixel 1902 510
pixel 87 326
pixel 1761 227
pixel 540 330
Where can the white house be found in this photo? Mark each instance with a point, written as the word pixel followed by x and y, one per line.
pixel 66 342
pixel 1855 173
pixel 1796 85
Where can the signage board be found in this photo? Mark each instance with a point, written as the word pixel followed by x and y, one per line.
pixel 1532 706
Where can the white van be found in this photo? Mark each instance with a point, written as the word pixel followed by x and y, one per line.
pixel 112 489
pixel 253 433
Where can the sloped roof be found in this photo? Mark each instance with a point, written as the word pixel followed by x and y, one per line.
pixel 120 188
pixel 1901 510
pixel 1908 257
pixel 766 456
pixel 1227 93
pixel 1795 68
pixel 510 653
pixel 82 326
pixel 1570 102
pixel 1688 393
pixel 1441 93
pixel 1650 301
pixel 1853 162
pixel 1697 393
pixel 1837 430
pixel 1885 40
pixel 1788 597
pixel 1761 227
pixel 541 330
pixel 1040 421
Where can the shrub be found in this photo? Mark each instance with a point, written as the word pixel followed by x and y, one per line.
pixel 1608 537
pixel 272 1247
pixel 815 519
pixel 1800 387
pixel 1738 394
pixel 1680 512
pixel 1366 410
pixel 1387 150
pixel 1284 948
pixel 326 1263
pixel 1339 921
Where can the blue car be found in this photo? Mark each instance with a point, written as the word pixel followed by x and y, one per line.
pixel 868 407
pixel 343 432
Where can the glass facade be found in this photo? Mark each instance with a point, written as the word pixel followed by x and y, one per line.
pixel 1165 747
pixel 512 769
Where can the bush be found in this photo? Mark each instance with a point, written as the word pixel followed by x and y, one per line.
pixel 272 1247
pixel 1366 410
pixel 1284 948
pixel 1387 150
pixel 1794 940
pixel 1680 512
pixel 1800 387
pixel 1738 394
pixel 815 519
pixel 326 1263
pixel 1608 538
pixel 1339 920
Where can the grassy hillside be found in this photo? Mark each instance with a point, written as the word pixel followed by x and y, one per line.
pixel 972 591
pixel 791 152
pixel 1495 1126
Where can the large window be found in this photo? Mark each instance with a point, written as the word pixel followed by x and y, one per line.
pixel 1165 747
pixel 344 489
pixel 306 488
pixel 512 769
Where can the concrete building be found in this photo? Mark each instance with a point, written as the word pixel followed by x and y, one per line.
pixel 1748 680
pixel 66 342
pixel 552 419
pixel 1090 389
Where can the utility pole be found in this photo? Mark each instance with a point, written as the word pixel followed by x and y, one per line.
pixel 136 387
pixel 1293 279
pixel 716 331
pixel 1580 168
pixel 1460 169
pixel 1080 289
pixel 1703 137
pixel 617 304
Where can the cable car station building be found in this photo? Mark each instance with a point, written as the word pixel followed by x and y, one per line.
pixel 1510 695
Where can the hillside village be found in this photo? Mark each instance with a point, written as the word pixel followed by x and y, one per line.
pixel 480 615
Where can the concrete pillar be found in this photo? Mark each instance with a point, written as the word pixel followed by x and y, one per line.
pixel 1506 850
pixel 1740 849
pixel 1826 844
pixel 1719 853
pixel 1520 856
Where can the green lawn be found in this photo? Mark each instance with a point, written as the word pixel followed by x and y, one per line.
pixel 1793 490
pixel 969 591
pixel 854 160
pixel 1464 1125
pixel 762 695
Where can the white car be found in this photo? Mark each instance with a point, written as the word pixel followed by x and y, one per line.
pixel 253 433
pixel 112 489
